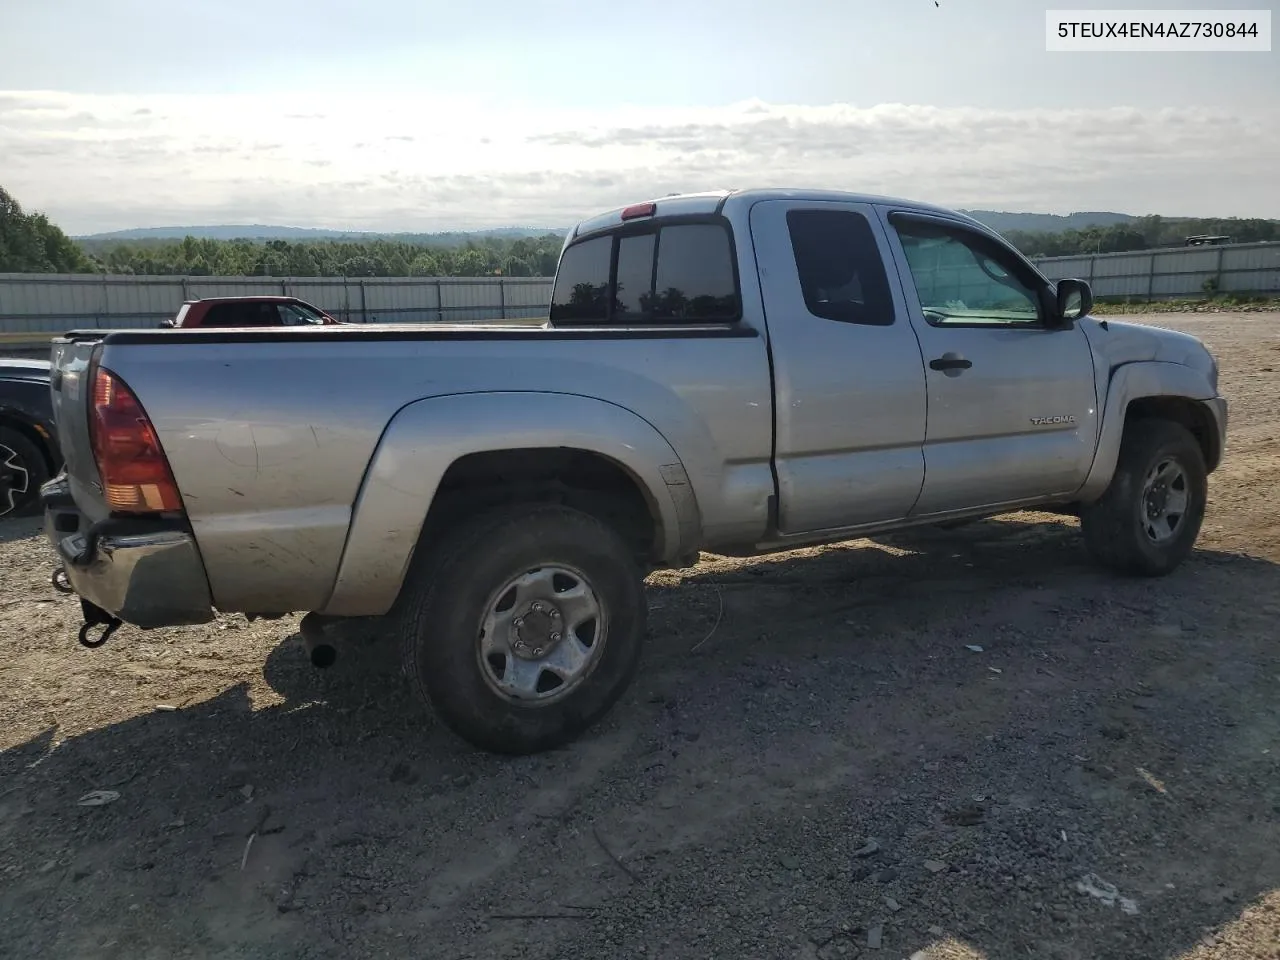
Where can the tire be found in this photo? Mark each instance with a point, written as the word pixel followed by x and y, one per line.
pixel 22 471
pixel 1118 530
pixel 456 606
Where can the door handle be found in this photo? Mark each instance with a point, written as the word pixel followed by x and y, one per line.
pixel 949 362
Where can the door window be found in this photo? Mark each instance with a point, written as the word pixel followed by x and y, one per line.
pixel 293 315
pixel 964 279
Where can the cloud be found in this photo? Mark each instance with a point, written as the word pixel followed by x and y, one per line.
pixel 106 162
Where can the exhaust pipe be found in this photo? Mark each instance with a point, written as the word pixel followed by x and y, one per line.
pixel 321 652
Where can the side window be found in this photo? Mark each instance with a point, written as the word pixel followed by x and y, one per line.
pixel 581 292
pixel 241 315
pixel 962 279
pixel 841 271
pixel 695 278
pixel 260 315
pixel 222 315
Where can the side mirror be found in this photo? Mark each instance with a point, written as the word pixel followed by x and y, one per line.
pixel 1075 300
pixel 166 323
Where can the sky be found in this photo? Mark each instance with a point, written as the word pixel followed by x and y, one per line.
pixel 420 115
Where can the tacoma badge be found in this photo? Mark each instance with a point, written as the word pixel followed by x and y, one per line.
pixel 1046 421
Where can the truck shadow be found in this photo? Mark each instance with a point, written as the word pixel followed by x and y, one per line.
pixel 13 529
pixel 789 708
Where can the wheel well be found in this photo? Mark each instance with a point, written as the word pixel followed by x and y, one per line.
pixel 581 479
pixel 1190 414
pixel 38 439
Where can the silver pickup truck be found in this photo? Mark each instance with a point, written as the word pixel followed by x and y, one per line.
pixel 738 372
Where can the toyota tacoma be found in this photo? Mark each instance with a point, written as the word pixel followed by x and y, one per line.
pixel 738 372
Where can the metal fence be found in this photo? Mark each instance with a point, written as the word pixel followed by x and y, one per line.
pixel 39 305
pixel 1243 268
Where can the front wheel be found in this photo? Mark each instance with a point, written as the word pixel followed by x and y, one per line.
pixel 524 627
pixel 1148 520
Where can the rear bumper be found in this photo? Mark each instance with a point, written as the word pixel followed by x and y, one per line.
pixel 147 573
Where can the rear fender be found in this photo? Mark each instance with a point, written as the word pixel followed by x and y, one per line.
pixel 1135 381
pixel 425 437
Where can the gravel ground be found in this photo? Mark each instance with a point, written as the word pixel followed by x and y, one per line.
pixel 932 745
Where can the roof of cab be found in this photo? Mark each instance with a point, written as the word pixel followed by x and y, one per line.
pixel 250 297
pixel 711 201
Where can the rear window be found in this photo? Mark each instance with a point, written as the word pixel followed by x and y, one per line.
pixel 694 279
pixel 634 291
pixel 674 273
pixel 841 272
pixel 581 293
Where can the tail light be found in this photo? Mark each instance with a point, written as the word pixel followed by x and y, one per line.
pixel 135 475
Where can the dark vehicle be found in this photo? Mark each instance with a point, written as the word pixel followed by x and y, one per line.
pixel 29 452
pixel 264 311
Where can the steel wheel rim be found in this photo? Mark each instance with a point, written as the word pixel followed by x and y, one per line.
pixel 1166 499
pixel 541 635
pixel 15 479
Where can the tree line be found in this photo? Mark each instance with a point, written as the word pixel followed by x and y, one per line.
pixel 29 243
pixel 1141 233
pixel 474 257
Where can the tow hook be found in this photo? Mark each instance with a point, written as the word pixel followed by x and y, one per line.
pixel 95 616
pixel 60 581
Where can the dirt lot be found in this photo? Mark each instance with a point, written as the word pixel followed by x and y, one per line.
pixel 1106 732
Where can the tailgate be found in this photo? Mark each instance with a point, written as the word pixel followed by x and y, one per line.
pixel 72 387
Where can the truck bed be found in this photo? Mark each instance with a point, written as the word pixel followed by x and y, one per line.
pixel 271 433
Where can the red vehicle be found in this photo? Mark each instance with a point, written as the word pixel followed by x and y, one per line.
pixel 248 312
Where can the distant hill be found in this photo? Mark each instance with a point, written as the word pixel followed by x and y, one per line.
pixel 259 231
pixel 1001 222
pixel 261 250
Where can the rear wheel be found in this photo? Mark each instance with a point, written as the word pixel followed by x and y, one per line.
pixel 1148 520
pixel 22 472
pixel 524 627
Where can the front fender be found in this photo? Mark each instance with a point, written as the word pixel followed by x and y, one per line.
pixel 1134 381
pixel 426 437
